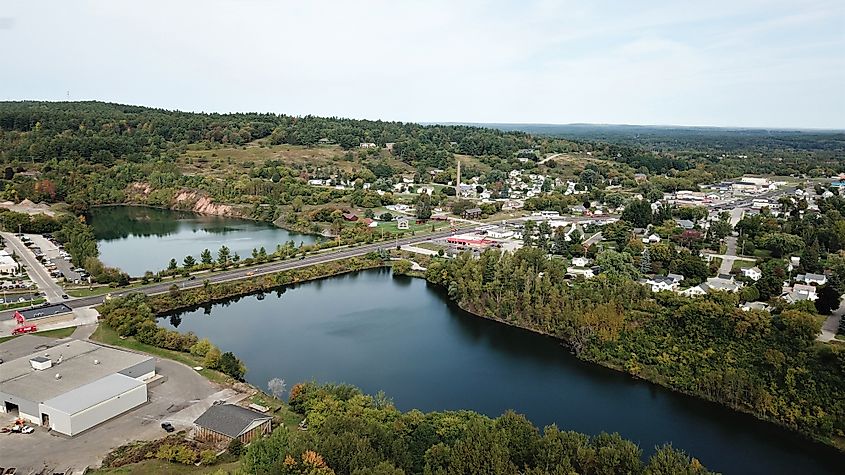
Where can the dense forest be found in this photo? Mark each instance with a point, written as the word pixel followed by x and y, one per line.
pixel 764 363
pixel 353 433
pixel 709 139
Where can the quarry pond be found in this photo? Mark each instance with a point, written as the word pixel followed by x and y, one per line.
pixel 402 336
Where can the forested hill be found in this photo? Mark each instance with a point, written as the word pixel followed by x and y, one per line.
pixel 717 139
pixel 104 131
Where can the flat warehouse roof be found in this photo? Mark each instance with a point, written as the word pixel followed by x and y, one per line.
pixel 92 394
pixel 82 363
pixel 45 311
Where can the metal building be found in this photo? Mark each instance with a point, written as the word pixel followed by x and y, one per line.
pixel 74 386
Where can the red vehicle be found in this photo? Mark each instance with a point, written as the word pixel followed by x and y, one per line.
pixel 20 330
pixel 22 326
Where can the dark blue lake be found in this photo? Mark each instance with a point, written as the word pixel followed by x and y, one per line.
pixel 402 336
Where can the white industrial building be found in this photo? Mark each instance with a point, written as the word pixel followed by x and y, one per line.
pixel 7 263
pixel 74 386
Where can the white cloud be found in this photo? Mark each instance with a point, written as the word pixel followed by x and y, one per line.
pixel 718 63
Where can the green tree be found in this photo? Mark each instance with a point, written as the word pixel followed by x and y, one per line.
pixel 205 257
pixel 172 265
pixel 638 213
pixel 189 262
pixel 423 206
pixel 223 256
pixel 617 265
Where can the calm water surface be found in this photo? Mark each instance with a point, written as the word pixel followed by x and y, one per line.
pixel 138 239
pixel 404 337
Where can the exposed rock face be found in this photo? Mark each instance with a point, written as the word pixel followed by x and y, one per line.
pixel 200 203
pixel 189 200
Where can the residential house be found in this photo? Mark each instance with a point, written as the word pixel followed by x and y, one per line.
pixel 756 306
pixel 367 145
pixel 818 279
pixel 660 283
pixel 350 217
pixel 223 422
pixel 651 239
pixel 722 283
pixel 685 223
pixel 580 272
pixel 580 261
pixel 753 273
pixel 799 292
pixel 695 291
pixel 402 223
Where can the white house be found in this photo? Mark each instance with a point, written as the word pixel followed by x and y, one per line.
pixel 799 292
pixel 695 291
pixel 367 145
pixel 752 273
pixel 652 239
pixel 580 261
pixel 402 223
pixel 818 279
pixel 660 283
pixel 576 271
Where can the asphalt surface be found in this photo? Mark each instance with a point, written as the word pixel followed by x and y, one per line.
pixel 36 271
pixel 246 272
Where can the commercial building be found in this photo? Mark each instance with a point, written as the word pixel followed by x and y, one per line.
pixel 74 386
pixel 8 266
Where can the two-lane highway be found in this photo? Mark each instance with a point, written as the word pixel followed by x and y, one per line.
pixel 246 272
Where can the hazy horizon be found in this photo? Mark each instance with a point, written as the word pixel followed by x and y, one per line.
pixel 735 64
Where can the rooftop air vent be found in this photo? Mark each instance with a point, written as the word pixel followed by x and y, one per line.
pixel 40 363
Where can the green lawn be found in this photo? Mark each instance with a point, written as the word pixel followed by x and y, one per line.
pixel 430 246
pixel 88 292
pixel 762 253
pixel 156 467
pixel 743 264
pixel 105 334
pixel 57 333
pixel 28 303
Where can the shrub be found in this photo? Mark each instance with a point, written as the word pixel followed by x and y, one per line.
pixel 208 457
pixel 235 447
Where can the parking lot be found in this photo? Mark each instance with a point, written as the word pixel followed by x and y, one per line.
pixel 182 396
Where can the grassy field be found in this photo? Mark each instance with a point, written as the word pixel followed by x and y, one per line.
pixel 57 333
pixel 156 467
pixel 221 162
pixel 28 303
pixel 104 334
pixel 743 264
pixel 431 246
pixel 88 292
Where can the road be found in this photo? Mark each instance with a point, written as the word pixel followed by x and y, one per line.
pixel 52 291
pixel 242 273
pixel 730 255
pixel 831 324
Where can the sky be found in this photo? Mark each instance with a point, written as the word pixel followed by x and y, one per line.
pixel 749 63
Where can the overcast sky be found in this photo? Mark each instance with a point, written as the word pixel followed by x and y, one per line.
pixel 756 63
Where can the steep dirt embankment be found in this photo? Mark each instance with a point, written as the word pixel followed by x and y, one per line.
pixel 200 203
pixel 186 199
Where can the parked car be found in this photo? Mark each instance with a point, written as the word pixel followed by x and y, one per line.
pixel 64 296
pixel 168 427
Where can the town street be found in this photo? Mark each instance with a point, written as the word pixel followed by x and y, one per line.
pixel 36 271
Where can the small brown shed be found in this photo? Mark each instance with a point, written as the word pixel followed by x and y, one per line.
pixel 224 422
